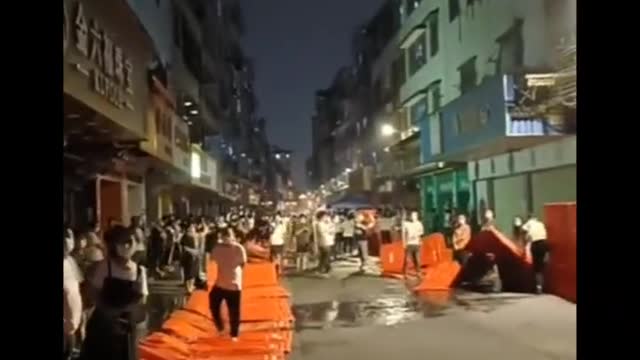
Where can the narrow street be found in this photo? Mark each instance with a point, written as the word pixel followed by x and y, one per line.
pixel 353 317
pixel 350 315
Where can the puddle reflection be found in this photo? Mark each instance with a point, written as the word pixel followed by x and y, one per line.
pixel 389 310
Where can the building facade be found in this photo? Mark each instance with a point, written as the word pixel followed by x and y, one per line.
pixel 475 93
pixel 470 105
pixel 106 97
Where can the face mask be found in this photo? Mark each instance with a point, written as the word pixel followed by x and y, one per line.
pixel 124 251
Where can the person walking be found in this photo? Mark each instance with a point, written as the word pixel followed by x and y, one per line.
pixel 348 232
pixel 536 236
pixel 190 257
pixel 277 240
pixel 230 258
pixel 360 236
pixel 412 231
pixel 302 233
pixel 139 232
pixel 325 231
pixel 119 288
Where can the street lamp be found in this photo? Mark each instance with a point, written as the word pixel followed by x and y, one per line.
pixel 387 130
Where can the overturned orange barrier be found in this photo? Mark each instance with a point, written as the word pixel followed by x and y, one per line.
pixel 514 266
pixel 441 276
pixel 265 329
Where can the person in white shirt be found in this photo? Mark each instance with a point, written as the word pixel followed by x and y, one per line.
pixel 71 297
pixel 277 240
pixel 230 258
pixel 326 239
pixel 119 288
pixel 348 232
pixel 412 231
pixel 536 237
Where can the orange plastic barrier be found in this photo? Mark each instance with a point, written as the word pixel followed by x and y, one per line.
pixel 440 276
pixel 561 277
pixel 516 273
pixel 433 251
pixel 266 330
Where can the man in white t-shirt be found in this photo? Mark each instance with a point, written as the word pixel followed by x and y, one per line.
pixel 325 230
pixel 277 240
pixel 536 236
pixel 412 231
pixel 230 258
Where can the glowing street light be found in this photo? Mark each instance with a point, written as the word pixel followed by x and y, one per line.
pixel 387 130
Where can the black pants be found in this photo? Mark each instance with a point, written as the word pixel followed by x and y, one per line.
pixel 539 250
pixel 324 265
pixel 232 298
pixel 412 252
pixel 347 243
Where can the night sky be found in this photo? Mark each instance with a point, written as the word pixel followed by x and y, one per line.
pixel 297 47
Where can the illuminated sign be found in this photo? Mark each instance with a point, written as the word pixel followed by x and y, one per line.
pixel 111 74
pixel 196 171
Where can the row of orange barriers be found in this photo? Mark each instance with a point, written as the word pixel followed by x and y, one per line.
pixel 438 269
pixel 266 323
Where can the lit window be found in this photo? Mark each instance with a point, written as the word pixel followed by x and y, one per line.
pixel 278 156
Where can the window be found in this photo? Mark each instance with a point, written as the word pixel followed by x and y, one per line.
pixel 417 54
pixel 418 112
pixel 398 73
pixel 468 75
pixel 436 96
pixel 434 44
pixel 435 133
pixel 454 9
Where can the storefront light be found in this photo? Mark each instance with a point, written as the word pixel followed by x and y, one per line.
pixel 195 165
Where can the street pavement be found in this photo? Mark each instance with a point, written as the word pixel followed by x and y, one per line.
pixel 352 315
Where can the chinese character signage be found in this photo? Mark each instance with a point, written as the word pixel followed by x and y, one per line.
pixel 106 53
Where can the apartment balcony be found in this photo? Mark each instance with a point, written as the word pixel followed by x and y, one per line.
pixel 493 118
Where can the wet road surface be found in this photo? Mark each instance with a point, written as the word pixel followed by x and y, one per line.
pixel 352 315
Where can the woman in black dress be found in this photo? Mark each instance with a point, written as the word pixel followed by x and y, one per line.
pixel 119 288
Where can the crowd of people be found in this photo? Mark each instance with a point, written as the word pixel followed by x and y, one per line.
pixel 106 270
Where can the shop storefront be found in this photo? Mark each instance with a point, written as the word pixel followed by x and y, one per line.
pixel 446 189
pixel 106 55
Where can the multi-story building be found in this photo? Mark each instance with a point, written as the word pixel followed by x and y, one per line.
pixel 106 98
pixel 471 120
